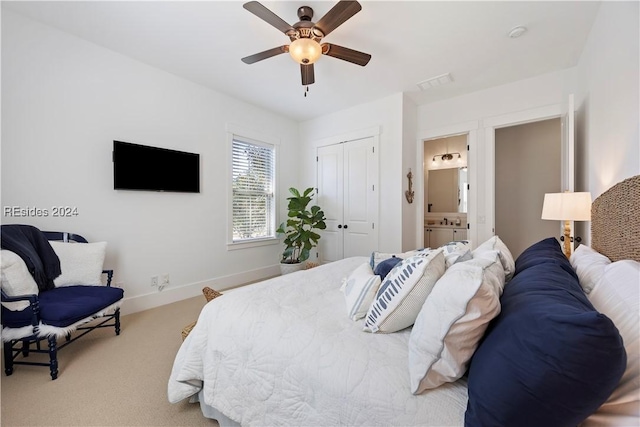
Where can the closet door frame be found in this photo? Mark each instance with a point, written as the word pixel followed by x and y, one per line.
pixel 563 111
pixel 374 133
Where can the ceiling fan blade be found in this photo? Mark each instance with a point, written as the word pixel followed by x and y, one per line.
pixel 266 54
pixel 338 14
pixel 308 76
pixel 346 54
pixel 268 16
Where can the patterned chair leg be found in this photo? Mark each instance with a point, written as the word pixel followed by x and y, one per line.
pixel 8 358
pixel 53 357
pixel 117 318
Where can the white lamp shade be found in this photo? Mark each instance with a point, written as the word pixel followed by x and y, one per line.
pixel 567 206
pixel 305 51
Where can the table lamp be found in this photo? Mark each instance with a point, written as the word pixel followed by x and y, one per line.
pixel 567 206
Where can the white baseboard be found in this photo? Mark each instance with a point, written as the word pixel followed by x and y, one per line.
pixel 167 296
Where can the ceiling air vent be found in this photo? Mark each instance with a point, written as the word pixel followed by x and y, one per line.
pixel 440 80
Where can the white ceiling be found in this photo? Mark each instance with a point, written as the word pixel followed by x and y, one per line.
pixel 410 41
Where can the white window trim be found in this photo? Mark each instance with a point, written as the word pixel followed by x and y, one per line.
pixel 258 138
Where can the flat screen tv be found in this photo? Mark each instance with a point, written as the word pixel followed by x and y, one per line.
pixel 140 167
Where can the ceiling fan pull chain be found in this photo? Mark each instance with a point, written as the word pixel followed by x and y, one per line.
pixel 305 92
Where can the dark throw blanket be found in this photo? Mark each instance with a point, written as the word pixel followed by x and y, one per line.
pixel 34 248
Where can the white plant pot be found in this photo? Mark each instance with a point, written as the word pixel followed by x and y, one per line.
pixel 291 268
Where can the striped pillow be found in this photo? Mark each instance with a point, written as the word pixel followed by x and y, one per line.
pixel 403 293
pixel 359 291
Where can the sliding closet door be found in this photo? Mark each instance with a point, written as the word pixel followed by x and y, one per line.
pixel 348 194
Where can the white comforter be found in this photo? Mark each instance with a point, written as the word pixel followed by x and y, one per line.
pixel 284 352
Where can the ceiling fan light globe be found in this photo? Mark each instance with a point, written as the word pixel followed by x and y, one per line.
pixel 305 51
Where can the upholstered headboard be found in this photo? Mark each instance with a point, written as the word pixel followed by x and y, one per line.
pixel 615 221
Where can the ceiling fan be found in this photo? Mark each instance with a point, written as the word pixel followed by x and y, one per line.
pixel 305 36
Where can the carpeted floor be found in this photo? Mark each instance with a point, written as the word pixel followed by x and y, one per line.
pixel 108 380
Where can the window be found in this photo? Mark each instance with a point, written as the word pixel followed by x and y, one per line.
pixel 253 190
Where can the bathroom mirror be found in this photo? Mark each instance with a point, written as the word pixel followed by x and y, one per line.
pixel 447 190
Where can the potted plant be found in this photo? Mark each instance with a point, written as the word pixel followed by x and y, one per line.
pixel 300 230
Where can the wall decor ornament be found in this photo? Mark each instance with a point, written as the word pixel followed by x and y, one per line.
pixel 409 193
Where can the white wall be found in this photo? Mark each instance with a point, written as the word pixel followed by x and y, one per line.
pixel 471 111
pixel 410 233
pixel 64 101
pixel 385 114
pixel 606 87
pixel 607 102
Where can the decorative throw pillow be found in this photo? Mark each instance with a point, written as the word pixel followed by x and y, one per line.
pixel 403 292
pixel 383 268
pixel 16 280
pixel 589 266
pixel 378 257
pixel 452 321
pixel 359 291
pixel 81 263
pixel 617 295
pixel 495 244
pixel 454 250
pixel 464 257
pixel 549 358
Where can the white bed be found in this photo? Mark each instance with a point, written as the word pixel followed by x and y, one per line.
pixel 289 371
pixel 284 352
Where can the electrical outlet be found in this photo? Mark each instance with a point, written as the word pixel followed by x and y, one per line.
pixel 165 280
pixel 154 281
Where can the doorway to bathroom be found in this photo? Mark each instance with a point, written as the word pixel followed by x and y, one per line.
pixel 446 189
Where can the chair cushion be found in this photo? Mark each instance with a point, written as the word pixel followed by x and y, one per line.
pixel 62 307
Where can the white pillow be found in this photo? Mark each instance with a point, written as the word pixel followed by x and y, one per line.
pixel 454 250
pixel 378 257
pixel 403 292
pixel 359 291
pixel 81 263
pixel 617 296
pixel 589 266
pixel 452 321
pixel 495 244
pixel 16 280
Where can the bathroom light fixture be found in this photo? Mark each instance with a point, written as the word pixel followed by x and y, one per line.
pixel 446 156
pixel 567 207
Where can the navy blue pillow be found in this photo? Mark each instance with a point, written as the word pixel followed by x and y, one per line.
pixel 547 251
pixel 549 358
pixel 384 267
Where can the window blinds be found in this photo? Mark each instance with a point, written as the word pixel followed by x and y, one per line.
pixel 253 191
